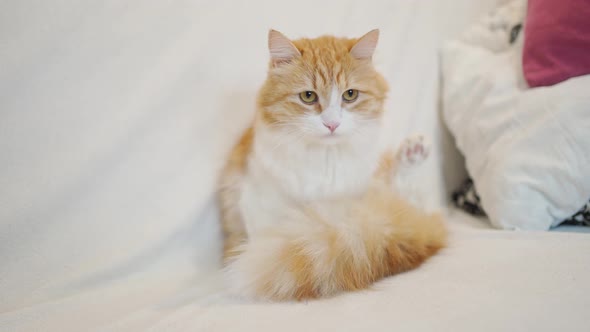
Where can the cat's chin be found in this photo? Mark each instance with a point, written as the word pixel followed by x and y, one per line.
pixel 332 139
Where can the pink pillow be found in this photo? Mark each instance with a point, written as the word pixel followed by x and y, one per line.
pixel 557 41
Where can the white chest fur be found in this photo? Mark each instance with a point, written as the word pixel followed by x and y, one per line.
pixel 279 180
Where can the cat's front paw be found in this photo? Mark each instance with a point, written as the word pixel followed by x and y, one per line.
pixel 413 151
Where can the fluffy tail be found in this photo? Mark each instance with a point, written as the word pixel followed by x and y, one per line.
pixel 342 245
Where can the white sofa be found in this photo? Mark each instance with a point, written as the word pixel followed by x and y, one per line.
pixel 114 120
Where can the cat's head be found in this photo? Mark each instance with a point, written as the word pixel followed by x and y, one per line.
pixel 323 90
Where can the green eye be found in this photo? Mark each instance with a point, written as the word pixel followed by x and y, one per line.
pixel 350 95
pixel 308 97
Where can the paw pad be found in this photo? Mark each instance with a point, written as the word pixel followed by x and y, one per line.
pixel 414 150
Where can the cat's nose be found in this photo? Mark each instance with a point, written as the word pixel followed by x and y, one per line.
pixel 331 125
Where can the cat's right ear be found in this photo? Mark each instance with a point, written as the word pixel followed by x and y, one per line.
pixel 281 48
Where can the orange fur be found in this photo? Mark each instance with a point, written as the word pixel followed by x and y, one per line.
pixel 343 242
pixel 234 232
pixel 323 61
pixel 386 167
pixel 321 260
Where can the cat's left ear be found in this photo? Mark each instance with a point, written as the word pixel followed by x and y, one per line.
pixel 281 48
pixel 365 46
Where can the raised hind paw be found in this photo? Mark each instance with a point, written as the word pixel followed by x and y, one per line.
pixel 413 151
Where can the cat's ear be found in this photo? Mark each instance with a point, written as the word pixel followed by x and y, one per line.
pixel 281 48
pixel 365 46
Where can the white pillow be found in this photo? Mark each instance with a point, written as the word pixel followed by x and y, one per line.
pixel 527 150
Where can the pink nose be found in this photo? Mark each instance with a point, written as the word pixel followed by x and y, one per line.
pixel 331 125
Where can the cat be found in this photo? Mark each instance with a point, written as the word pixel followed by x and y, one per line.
pixel 307 199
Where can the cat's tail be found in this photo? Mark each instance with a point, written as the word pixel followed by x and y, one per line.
pixel 331 249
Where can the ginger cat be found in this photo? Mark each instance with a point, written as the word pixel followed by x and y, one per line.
pixel 308 206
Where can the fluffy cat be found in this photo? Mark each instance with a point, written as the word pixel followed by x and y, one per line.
pixel 307 201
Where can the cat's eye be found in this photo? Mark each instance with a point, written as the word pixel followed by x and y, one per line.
pixel 308 97
pixel 350 95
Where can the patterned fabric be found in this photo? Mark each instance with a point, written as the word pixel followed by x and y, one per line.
pixel 581 217
pixel 467 199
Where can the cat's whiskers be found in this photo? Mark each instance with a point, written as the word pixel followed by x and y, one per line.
pixel 285 137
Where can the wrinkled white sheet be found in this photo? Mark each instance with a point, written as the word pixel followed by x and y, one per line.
pixel 114 119
pixel 527 150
